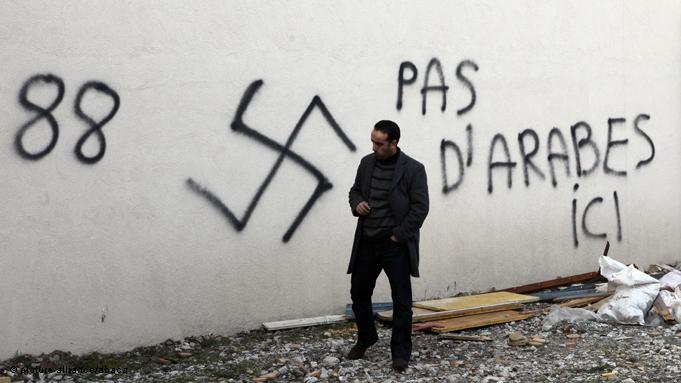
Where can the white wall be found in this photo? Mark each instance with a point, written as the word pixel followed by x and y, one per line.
pixel 122 252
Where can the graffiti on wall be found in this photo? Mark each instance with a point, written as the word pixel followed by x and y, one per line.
pixel 285 152
pixel 45 113
pixel 502 162
pixel 511 158
pixel 43 81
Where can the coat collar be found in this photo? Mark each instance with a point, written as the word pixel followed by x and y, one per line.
pixel 368 172
pixel 399 169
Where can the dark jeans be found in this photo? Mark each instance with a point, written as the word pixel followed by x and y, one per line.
pixel 394 259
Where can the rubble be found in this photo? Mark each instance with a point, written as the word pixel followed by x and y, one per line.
pixel 546 343
pixel 580 351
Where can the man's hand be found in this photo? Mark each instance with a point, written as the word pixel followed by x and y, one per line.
pixel 363 208
pixel 393 238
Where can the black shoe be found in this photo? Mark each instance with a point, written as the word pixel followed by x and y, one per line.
pixel 357 352
pixel 400 365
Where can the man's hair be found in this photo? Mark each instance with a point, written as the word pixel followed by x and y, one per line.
pixel 390 128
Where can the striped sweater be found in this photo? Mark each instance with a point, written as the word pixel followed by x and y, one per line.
pixel 380 222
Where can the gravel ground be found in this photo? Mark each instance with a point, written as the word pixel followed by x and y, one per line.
pixel 573 352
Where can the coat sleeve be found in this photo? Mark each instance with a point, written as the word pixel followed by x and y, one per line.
pixel 418 207
pixel 355 195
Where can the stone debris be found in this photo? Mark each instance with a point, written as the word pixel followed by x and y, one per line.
pixel 569 350
pixel 164 361
pixel 537 341
pixel 600 352
pixel 267 377
pixel 330 361
pixel 517 338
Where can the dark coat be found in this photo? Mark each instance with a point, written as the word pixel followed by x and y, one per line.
pixel 408 201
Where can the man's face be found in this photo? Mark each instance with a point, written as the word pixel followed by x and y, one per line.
pixel 382 148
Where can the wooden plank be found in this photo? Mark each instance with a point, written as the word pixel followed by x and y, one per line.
pixel 376 307
pixel 473 302
pixel 304 322
pixel 480 320
pixel 580 302
pixel 424 326
pixel 571 294
pixel 471 338
pixel 665 267
pixel 584 286
pixel 387 315
pixel 561 281
pixel 420 315
pixel 598 294
pixel 600 303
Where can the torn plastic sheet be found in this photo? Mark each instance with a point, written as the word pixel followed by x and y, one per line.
pixel 670 280
pixel 672 302
pixel 634 294
pixel 558 314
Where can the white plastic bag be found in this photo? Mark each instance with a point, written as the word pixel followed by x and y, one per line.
pixel 635 292
pixel 670 280
pixel 672 302
pixel 558 314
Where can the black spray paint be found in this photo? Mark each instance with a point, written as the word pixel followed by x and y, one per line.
pixel 46 113
pixel 467 83
pixel 574 217
pixel 469 140
pixel 408 74
pixel 527 156
pixel 95 126
pixel 508 164
pixel 583 143
pixel 586 229
pixel 617 212
pixel 446 186
pixel 238 125
pixel 607 169
pixel 443 88
pixel 647 137
pixel 556 134
pixel 401 80
pixel 587 156
pixel 579 144
pixel 444 145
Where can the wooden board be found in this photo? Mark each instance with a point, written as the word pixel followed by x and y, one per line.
pixel 387 315
pixel 554 283
pixel 472 302
pixel 471 338
pixel 420 315
pixel 376 307
pixel 562 294
pixel 480 320
pixel 304 322
pixel 600 295
pixel 580 302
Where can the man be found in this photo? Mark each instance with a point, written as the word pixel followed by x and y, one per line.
pixel 390 197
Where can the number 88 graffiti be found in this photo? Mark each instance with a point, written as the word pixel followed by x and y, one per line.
pixel 46 113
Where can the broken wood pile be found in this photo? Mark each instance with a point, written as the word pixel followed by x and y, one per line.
pixel 472 311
